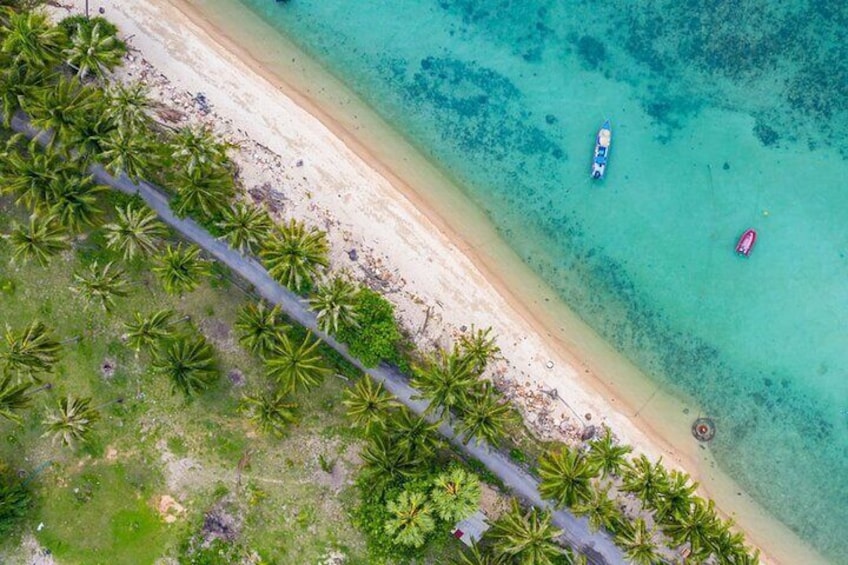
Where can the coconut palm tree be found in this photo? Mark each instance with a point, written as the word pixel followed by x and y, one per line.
pixel 134 232
pixel 30 177
pixel 480 347
pixel 646 480
pixel 455 495
pixel 445 379
pixel 271 412
pixel 94 50
pixel 245 227
pixel 526 537
pixel 17 83
pixel 477 556
pixel 181 268
pixel 638 543
pixel 412 433
pixel 675 498
pixel 39 240
pixel 294 255
pixel 410 519
pixel 260 327
pixel 30 40
pixel 74 201
pixel 29 352
pixel 607 455
pixel 335 304
pixel 189 362
pixel 127 151
pixel 566 477
pixel 197 149
pixel 368 404
pixel 15 501
pixel 88 134
pixel 727 545
pixel 296 366
pixel 384 462
pixel 486 415
pixel 13 399
pixel 601 511
pixel 71 422
pixel 129 107
pixel 58 108
pixel 695 527
pixel 203 191
pixel 100 286
pixel 149 331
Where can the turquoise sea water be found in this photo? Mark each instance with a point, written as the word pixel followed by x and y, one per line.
pixel 726 115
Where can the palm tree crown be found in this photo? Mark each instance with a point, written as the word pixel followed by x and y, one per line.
pixel 181 268
pixel 188 362
pixel 368 404
pixel 295 255
pixel 245 227
pixel 566 477
pixel 149 331
pixel 134 232
pixel 455 495
pixel 411 519
pixel 646 480
pixel 94 50
pixel 39 240
pixel 445 380
pixel 13 398
pixel 335 304
pixel 29 352
pixel 100 286
pixel 608 456
pixel 527 537
pixel 260 327
pixel 480 347
pixel 72 422
pixel 638 543
pixel 31 40
pixel 271 412
pixel 296 366
pixel 485 415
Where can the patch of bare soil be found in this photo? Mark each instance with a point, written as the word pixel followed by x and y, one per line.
pixel 492 503
pixel 223 521
pixel 107 368
pixel 33 553
pixel 169 509
pixel 218 332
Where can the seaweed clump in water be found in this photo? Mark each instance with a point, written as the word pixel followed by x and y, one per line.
pixel 591 51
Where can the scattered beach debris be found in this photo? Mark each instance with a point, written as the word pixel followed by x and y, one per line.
pixel 202 103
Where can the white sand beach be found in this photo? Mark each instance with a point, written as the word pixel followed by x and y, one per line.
pixel 302 161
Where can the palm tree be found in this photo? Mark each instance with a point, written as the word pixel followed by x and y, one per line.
pixel 30 177
pixel 335 304
pixel 412 433
pixel 445 380
pixel 601 511
pixel 296 366
pixel 17 83
pixel 477 556
pixel 40 240
pixel 74 201
pixel 566 477
pixel 675 498
pixel 295 255
pixel 188 362
pixel 89 133
pixel 205 191
pixel 31 40
pixel 608 456
pixel 526 537
pixel 13 398
pixel 260 327
pixel 455 495
pixel 479 347
pixel 696 527
pixel 94 50
pixel 383 461
pixel 647 481
pixel 60 107
pixel 149 331
pixel 72 422
pixel 128 107
pixel 368 404
pixel 15 501
pixel 271 412
pixel 411 519
pixel 127 151
pixel 245 227
pixel 485 416
pixel 100 286
pixel 180 269
pixel 195 149
pixel 728 546
pixel 638 543
pixel 29 352
pixel 134 231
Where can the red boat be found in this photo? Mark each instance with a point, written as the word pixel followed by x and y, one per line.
pixel 746 242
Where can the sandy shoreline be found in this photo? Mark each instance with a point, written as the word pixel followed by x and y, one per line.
pixel 303 161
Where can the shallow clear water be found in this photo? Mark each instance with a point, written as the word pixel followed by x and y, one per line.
pixel 726 115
